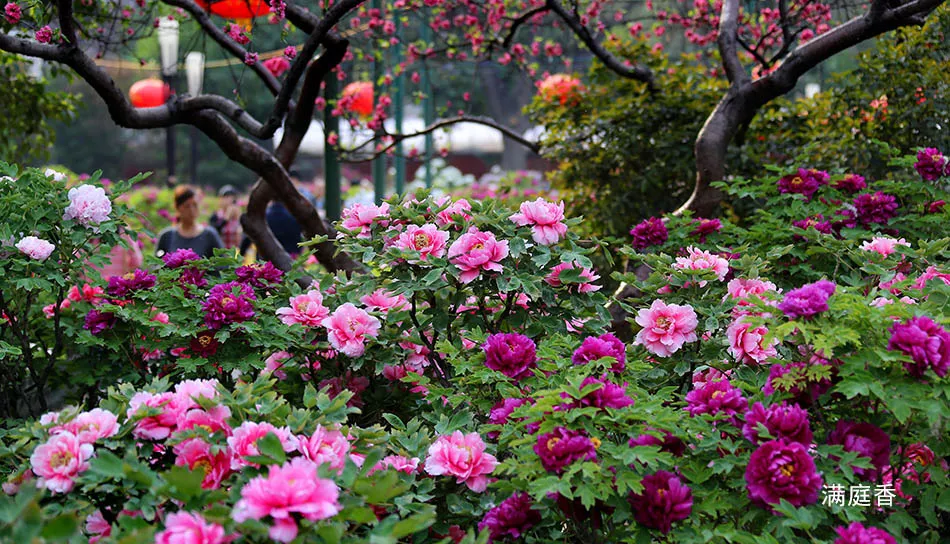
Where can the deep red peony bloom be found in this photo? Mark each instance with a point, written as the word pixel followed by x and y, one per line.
pixel 664 499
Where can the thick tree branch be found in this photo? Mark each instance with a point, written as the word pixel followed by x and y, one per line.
pixel 520 20
pixel 728 33
pixel 67 25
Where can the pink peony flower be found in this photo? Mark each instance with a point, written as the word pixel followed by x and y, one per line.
pixel 476 251
pixel 12 13
pixel 664 499
pixel 306 309
pixel 275 362
pixel 697 259
pixel 35 248
pixel 859 534
pixel 196 454
pixel 153 427
pixel 276 66
pixel 213 420
pixel 584 285
pixel 462 456
pixel 427 240
pixel 545 218
pixel 189 391
pixel 90 426
pixel 190 528
pixel 59 460
pixel 383 301
pixel 598 347
pixel 397 463
pixel 922 281
pixel 454 211
pixel 782 470
pixel 360 217
pixel 925 342
pixel 716 398
pixel 747 343
pixel 883 245
pixel 325 446
pixel 666 327
pixel 741 288
pixel 244 441
pixel 88 205
pixel 44 34
pixel 349 327
pixel 293 488
pixel 97 527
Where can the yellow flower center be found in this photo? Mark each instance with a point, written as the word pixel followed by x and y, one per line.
pixel 204 465
pixel 787 470
pixel 60 459
pixel 129 276
pixel 664 322
pixel 479 245
pixel 796 181
pixel 552 442
pixel 596 442
pixel 420 239
pixel 226 300
pixel 717 394
pixel 204 340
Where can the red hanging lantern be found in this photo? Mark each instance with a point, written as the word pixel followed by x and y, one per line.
pixel 561 88
pixel 149 93
pixel 357 97
pixel 237 9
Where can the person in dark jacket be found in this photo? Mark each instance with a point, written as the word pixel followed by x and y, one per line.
pixel 187 232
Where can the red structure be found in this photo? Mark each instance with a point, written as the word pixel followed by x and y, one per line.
pixel 149 93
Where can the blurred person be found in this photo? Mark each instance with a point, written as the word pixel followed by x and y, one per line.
pixel 284 225
pixel 227 218
pixel 187 232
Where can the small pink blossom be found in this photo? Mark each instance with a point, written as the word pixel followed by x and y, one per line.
pixel 883 245
pixel 747 343
pixel 325 446
pixel 476 251
pixel 196 454
pixel 666 327
pixel 360 217
pixel 244 441
pixel 545 218
pixel 452 212
pixel 97 527
pixel 462 456
pixel 383 301
pixel 88 205
pixel 428 240
pixel 306 309
pixel 742 288
pixel 275 363
pixel 88 427
pixel 35 248
pixel 59 461
pixel 586 286
pixel 190 528
pixel 348 329
pixel 697 259
pixel 44 34
pixel 398 463
pixel 12 13
pixel 153 427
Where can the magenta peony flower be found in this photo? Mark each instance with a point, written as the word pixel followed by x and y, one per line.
pixel 196 454
pixel 243 442
pixel 35 248
pixel 12 13
pixel 804 389
pixel 546 220
pixel 665 327
pixel 859 534
pixel 44 34
pixel 783 422
pixel 190 279
pixel 477 251
pixel 850 183
pixel 454 211
pixel 929 274
pixel 697 259
pixel 251 58
pixel 931 164
pixel 190 528
pixel 383 301
pixel 88 427
pixel 58 462
pixel 123 286
pixel 512 354
pixel 259 276
pixel 805 182
pixel 650 232
pixel 883 245
pixel 306 309
pixel 427 240
pixel 782 470
pixel 747 343
pixel 610 395
pixel 462 456
pixel 228 303
pixel 179 258
pixel 349 327
pixel 154 427
pixel 293 488
pixel 88 205
pixel 664 499
pixel 501 411
pixel 347 382
pixel 290 52
pixel 925 342
pixel 598 347
pixel 936 206
pixel 587 275
pixel 808 300
pixel 875 208
pixel 276 65
pixel 669 443
pixel 97 322
pixel 705 227
pixel 866 440
pixel 561 447
pixel 717 398
pixel 816 222
pixel 325 446
pixel 360 218
pixel 512 518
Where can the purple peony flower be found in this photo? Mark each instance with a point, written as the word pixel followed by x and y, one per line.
pixel 782 470
pixel 598 347
pixel 816 222
pixel 866 440
pixel 511 518
pixel 179 257
pixel 705 227
pixel 783 421
pixel 512 354
pixel 859 534
pixel 717 397
pixel 924 341
pixel 97 322
pixel 561 447
pixel 851 183
pixel 664 499
pixel 808 300
pixel 804 182
pixel 610 395
pixel 192 278
pixel 228 303
pixel 875 208
pixel 931 164
pixel 499 413
pixel 803 388
pixel 122 286
pixel 668 443
pixel 650 232
pixel 259 276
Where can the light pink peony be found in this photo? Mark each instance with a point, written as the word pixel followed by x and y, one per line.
pixel 190 528
pixel 188 391
pixel 587 286
pixel 398 463
pixel 306 309
pixel 213 420
pixel 883 245
pixel 428 240
pixel 154 427
pixel 383 301
pixel 360 217
pixel 697 259
pixel 462 456
pixel 742 288
pixel 348 328
pixel 196 454
pixel 90 426
pixel 476 251
pixel 88 205
pixel 293 488
pixel 747 343
pixel 97 527
pixel 35 248
pixel 59 460
pixel 325 446
pixel 275 363
pixel 546 220
pixel 453 211
pixel 666 327
pixel 243 442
